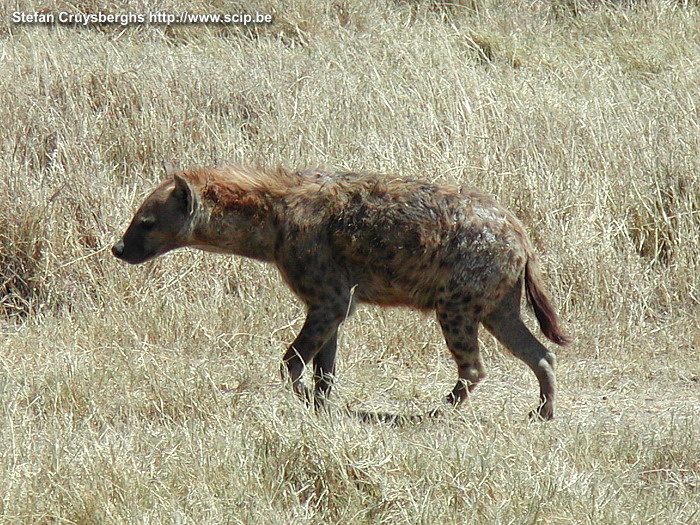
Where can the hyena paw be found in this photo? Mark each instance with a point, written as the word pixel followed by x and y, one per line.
pixel 303 393
pixel 544 412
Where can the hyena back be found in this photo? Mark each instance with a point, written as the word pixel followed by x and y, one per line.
pixel 343 238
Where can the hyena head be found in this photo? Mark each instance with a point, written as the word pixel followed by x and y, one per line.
pixel 162 223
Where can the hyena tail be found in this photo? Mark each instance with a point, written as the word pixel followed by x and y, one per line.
pixel 539 302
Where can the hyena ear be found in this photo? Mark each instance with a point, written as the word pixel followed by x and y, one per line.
pixel 169 169
pixel 185 193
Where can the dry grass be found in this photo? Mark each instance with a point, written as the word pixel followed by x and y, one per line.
pixel 150 394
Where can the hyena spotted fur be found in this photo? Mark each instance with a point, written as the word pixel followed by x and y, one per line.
pixel 344 238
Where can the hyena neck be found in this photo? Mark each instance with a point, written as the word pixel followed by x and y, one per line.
pixel 249 234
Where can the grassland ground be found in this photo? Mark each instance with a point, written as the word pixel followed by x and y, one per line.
pixel 151 394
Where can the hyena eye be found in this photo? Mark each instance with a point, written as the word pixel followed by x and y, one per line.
pixel 148 223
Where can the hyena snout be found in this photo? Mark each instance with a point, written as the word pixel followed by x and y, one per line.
pixel 131 253
pixel 118 249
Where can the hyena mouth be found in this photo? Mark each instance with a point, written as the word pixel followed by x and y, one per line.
pixel 118 250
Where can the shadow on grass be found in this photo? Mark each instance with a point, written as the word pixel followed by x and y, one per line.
pixel 396 420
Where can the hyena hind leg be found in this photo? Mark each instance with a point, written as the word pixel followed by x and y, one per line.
pixel 507 326
pixel 461 335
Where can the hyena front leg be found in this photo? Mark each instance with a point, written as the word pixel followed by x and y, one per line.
pixel 324 369
pixel 317 334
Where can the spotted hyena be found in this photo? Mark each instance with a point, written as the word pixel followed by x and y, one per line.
pixel 345 238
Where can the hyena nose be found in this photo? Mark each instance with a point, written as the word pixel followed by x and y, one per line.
pixel 118 248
